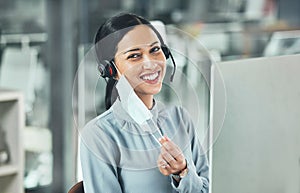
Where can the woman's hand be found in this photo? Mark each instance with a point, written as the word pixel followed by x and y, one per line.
pixel 171 159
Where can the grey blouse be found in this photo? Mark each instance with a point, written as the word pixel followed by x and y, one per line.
pixel 119 156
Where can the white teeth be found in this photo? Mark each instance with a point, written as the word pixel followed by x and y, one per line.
pixel 150 77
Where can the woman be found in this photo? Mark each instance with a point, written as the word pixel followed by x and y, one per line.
pixel 128 149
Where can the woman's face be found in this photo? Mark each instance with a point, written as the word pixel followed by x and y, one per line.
pixel 140 58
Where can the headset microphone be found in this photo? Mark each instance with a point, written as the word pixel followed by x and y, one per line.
pixel 174 67
pixel 168 54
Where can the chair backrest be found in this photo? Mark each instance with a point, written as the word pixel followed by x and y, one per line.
pixel 77 188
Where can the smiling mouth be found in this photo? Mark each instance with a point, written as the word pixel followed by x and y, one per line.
pixel 150 77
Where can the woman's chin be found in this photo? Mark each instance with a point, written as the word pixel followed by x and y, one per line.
pixel 149 89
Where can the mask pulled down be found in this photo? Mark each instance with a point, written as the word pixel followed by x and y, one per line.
pixel 137 110
pixel 132 104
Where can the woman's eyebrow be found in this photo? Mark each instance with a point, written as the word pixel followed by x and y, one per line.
pixel 132 50
pixel 137 49
pixel 153 43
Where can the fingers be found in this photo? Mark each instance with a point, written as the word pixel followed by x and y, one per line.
pixel 163 166
pixel 171 151
pixel 168 157
pixel 171 159
pixel 161 162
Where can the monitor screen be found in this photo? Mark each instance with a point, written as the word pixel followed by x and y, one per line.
pixel 257 148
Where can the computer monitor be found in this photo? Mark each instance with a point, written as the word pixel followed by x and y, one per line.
pixel 257 148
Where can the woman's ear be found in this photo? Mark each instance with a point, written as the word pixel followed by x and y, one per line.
pixel 117 72
pixel 117 77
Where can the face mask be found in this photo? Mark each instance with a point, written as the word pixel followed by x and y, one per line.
pixel 132 104
pixel 137 110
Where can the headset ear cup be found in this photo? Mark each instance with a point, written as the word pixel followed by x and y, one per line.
pixel 166 51
pixel 107 69
pixel 101 69
pixel 112 69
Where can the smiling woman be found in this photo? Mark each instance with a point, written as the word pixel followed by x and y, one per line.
pixel 140 58
pixel 138 144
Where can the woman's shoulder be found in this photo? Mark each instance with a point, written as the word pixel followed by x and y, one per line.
pixel 99 122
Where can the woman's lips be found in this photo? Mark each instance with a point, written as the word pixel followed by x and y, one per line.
pixel 151 78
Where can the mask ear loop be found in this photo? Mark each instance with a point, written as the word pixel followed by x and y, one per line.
pixel 146 128
pixel 159 132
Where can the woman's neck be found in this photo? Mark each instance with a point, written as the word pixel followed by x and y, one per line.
pixel 147 100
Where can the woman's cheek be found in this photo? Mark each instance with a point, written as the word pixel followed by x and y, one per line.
pixel 133 78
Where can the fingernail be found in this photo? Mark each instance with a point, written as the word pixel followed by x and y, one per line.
pixel 167 138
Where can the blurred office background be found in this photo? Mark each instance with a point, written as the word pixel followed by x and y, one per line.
pixel 43 42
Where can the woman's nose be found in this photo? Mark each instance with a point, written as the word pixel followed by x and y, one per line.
pixel 148 62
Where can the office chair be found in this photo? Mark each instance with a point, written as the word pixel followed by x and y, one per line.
pixel 77 188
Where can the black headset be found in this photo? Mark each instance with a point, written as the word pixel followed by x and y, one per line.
pixel 107 68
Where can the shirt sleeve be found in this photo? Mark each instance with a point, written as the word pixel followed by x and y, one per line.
pixel 99 158
pixel 98 176
pixel 197 178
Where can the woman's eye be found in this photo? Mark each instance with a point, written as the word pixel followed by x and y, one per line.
pixel 155 49
pixel 133 56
